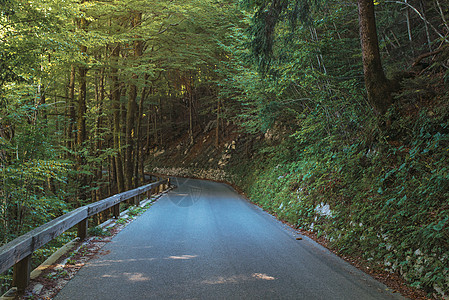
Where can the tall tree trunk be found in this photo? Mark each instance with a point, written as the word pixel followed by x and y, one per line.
pixel 112 186
pixel 138 156
pixel 217 128
pixel 156 129
pixel 161 123
pixel 426 26
pixel 99 95
pixel 129 135
pixel 191 118
pixel 81 127
pixel 377 85
pixel 147 143
pixel 71 135
pixel 81 109
pixel 115 95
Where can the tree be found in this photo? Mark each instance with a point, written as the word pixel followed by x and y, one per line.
pixel 268 22
pixel 378 87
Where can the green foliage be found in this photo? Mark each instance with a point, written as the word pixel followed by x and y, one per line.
pixel 135 211
pixel 99 231
pixel 388 200
pixel 373 186
pixel 121 221
pixel 40 255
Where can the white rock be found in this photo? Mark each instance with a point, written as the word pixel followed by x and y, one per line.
pixel 323 210
pixel 37 288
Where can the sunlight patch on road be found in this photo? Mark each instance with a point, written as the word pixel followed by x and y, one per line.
pixel 263 276
pixel 137 277
pixel 182 256
pixel 239 278
pixel 109 262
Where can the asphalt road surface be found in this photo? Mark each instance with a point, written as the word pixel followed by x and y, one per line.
pixel 204 241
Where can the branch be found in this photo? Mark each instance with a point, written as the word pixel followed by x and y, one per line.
pixel 422 56
pixel 422 17
pixel 170 25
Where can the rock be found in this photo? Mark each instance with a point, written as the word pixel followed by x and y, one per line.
pixel 37 288
pixel 323 210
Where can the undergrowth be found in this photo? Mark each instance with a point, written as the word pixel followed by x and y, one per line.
pixel 380 191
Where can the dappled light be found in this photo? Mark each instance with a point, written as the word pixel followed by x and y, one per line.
pixel 263 276
pixel 109 262
pixel 239 278
pixel 182 257
pixel 134 277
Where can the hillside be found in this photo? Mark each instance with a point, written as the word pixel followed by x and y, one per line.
pixel 380 200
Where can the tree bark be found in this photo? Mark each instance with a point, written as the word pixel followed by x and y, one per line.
pixel 130 134
pixel 217 128
pixel 99 95
pixel 81 127
pixel 377 85
pixel 138 156
pixel 81 111
pixel 72 113
pixel 147 144
pixel 115 95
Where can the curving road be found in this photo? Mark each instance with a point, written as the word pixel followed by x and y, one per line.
pixel 204 241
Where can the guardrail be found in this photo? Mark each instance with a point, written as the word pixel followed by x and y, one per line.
pixel 18 252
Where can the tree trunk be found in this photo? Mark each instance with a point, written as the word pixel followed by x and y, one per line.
pixel 99 95
pixel 217 128
pixel 115 95
pixel 191 118
pixel 130 181
pixel 81 111
pixel 147 146
pixel 72 113
pixel 426 26
pixel 129 135
pixel 81 128
pixel 138 156
pixel 377 85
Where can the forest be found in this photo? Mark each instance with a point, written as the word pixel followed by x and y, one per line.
pixel 343 106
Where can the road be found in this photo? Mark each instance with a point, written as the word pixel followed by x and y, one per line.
pixel 205 241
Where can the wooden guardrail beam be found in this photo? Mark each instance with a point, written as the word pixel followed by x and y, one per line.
pixel 24 245
pixel 18 252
